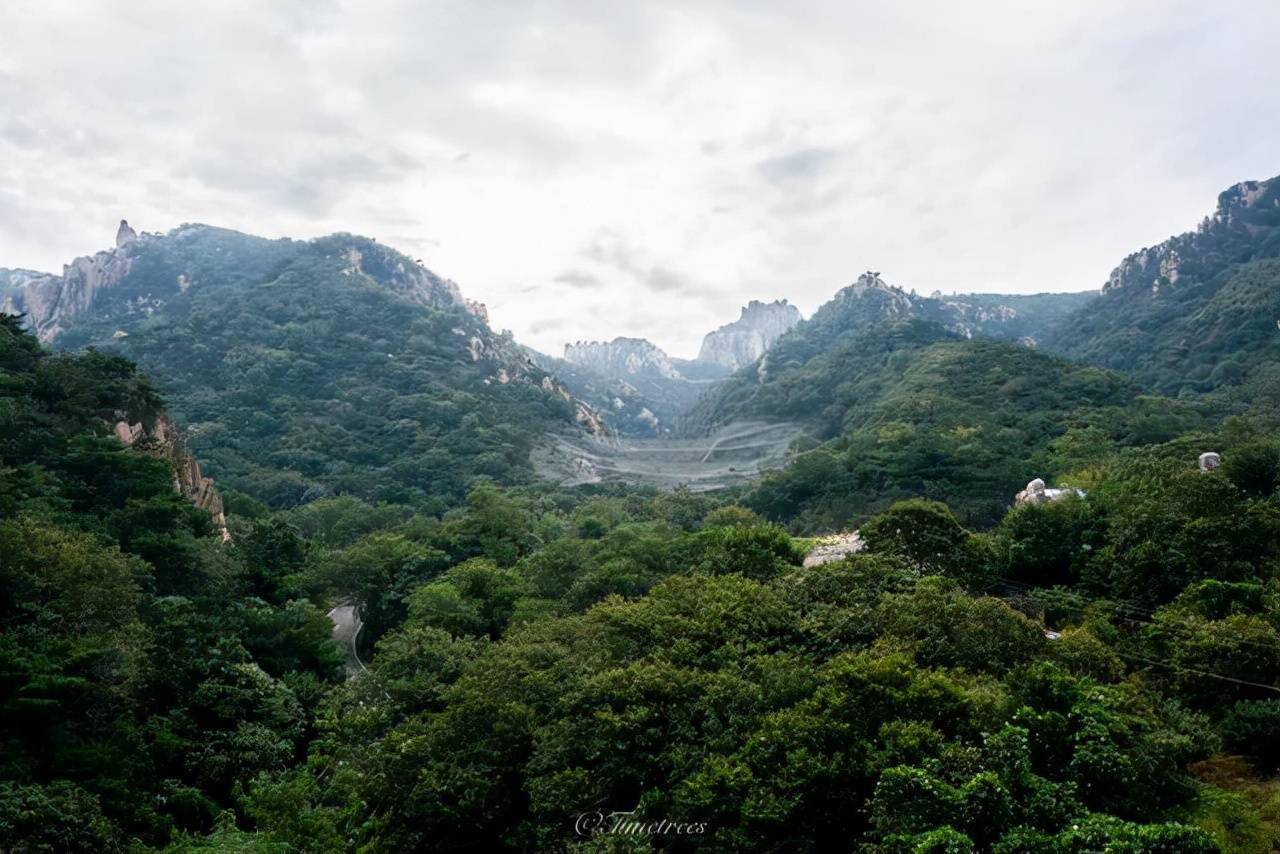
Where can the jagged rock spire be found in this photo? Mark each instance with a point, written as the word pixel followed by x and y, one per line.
pixel 125 234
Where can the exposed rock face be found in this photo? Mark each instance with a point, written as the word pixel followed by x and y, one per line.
pixel 125 235
pixel 747 338
pixel 1156 266
pixel 51 302
pixel 397 272
pixel 1037 493
pixel 621 357
pixel 837 547
pixel 164 440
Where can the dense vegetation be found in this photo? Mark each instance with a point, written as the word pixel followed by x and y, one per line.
pixel 1196 313
pixel 905 408
pixel 144 675
pixel 305 371
pixel 538 655
pixel 545 669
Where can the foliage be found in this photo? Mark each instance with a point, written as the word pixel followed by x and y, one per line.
pixel 335 366
pixel 142 679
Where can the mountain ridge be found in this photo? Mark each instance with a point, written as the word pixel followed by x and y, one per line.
pixel 304 368
pixel 1197 311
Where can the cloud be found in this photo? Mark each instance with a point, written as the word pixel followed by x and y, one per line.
pixel 579 279
pixel 656 164
pixel 804 164
pixel 663 280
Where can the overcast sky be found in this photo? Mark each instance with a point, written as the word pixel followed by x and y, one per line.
pixel 591 169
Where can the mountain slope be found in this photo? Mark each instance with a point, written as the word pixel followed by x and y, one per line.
pixel 812 372
pixel 1197 312
pixel 305 368
pixel 965 422
pixel 902 402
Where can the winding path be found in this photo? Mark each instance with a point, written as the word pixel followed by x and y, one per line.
pixel 346 632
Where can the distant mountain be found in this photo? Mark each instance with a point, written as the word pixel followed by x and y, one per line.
pixel 795 378
pixel 637 387
pixel 1198 312
pixel 621 407
pixel 747 338
pixel 303 368
pixel 903 395
pixel 623 357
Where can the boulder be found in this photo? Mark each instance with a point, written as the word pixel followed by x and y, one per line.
pixel 836 547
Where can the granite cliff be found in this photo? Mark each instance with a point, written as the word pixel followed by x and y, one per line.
pixel 162 439
pixel 747 338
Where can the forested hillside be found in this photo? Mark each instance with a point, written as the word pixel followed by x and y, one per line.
pixel 147 671
pixel 898 408
pixel 1098 673
pixel 309 368
pixel 1198 312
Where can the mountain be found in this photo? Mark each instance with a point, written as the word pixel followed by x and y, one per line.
pixel 904 395
pixel 747 338
pixel 796 379
pixel 638 388
pixel 967 422
pixel 305 368
pixel 622 408
pixel 1197 312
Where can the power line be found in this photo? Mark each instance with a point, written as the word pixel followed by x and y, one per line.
pixel 1197 671
pixel 1166 623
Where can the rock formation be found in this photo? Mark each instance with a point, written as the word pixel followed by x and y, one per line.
pixel 1037 493
pixel 837 547
pixel 747 338
pixel 622 357
pixel 164 441
pixel 125 235
pixel 51 302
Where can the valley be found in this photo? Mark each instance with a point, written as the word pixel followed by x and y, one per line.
pixel 299 553
pixel 733 455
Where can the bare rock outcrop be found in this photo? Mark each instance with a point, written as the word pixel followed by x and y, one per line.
pixel 747 338
pixel 51 302
pixel 833 548
pixel 1037 493
pixel 163 440
pixel 125 234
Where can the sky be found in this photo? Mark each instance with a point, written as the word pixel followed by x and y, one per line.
pixel 594 169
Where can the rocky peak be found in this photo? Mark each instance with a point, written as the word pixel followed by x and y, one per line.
pixel 871 290
pixel 124 234
pixel 621 357
pixel 747 338
pixel 1244 212
pixel 50 301
pixel 869 280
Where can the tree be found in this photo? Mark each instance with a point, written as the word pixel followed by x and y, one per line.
pixel 924 533
pixel 1254 467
